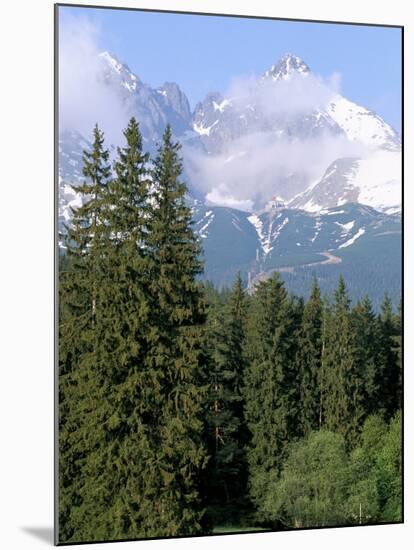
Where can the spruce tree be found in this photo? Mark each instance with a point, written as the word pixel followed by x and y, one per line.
pixel 79 286
pixel 343 402
pixel 310 362
pixel 225 430
pixel 389 361
pixel 237 314
pixel 398 346
pixel 118 493
pixel 327 322
pixel 366 332
pixel 270 384
pixel 176 354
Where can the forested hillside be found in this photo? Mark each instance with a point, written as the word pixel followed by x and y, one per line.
pixel 185 410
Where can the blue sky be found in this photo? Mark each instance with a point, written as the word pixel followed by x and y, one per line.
pixel 204 53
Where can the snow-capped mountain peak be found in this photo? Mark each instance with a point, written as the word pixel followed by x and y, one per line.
pixel 288 65
pixel 175 99
pixel 374 180
pixel 112 61
pixel 362 125
pixel 229 130
pixel 114 70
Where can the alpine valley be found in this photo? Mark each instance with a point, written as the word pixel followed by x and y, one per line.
pixel 332 206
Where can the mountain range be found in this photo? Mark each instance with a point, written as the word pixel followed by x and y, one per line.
pixel 255 211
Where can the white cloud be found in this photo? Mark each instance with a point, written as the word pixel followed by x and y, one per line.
pixel 220 195
pixel 298 94
pixel 254 167
pixel 263 162
pixel 83 98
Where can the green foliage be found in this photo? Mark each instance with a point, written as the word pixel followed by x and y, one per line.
pixel 322 484
pixel 312 487
pixel 343 400
pixel 310 362
pixel 363 502
pixel 224 417
pixel 117 401
pixel 175 355
pixel 79 291
pixel 366 330
pixel 389 467
pixel 375 479
pixel 174 397
pixel 130 430
pixel 389 360
pixel 369 266
pixel 270 385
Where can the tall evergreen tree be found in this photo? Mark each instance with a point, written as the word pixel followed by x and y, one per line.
pixel 310 362
pixel 237 313
pixel 226 432
pixel 176 354
pixel 398 346
pixel 389 363
pixel 270 385
pixel 79 286
pixel 327 321
pixel 365 326
pixel 343 402
pixel 141 374
pixel 118 494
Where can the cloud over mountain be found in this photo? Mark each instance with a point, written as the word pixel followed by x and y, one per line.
pixel 267 135
pixel 84 97
pixel 272 134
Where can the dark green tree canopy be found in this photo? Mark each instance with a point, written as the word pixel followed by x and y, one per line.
pixel 185 408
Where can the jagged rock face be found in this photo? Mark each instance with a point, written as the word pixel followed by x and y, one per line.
pixel 220 121
pixel 177 104
pixel 221 126
pixel 152 107
pixel 119 75
pixel 288 64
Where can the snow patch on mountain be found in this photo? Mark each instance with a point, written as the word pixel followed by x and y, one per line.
pixel 374 181
pixel 346 227
pixel 202 130
pixel 221 106
pixel 268 236
pixel 378 178
pixel 112 65
pixel 208 218
pixel 258 225
pixel 318 225
pixel 362 125
pixel 112 61
pixel 287 66
pixel 350 241
pixel 279 228
pixel 68 199
pixel 334 212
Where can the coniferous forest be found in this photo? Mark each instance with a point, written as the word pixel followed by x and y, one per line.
pixel 185 410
